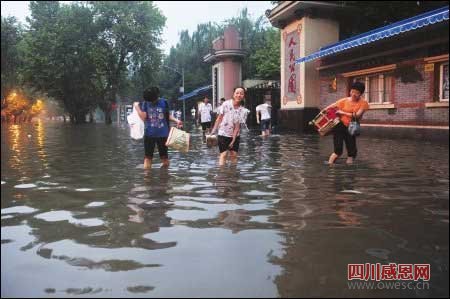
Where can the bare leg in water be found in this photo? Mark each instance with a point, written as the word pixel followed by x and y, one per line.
pixel 165 162
pixel 223 158
pixel 332 158
pixel 147 163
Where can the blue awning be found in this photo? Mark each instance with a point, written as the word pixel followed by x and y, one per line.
pixel 195 92
pixel 419 21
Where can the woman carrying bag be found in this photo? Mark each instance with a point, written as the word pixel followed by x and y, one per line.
pixel 155 114
pixel 350 111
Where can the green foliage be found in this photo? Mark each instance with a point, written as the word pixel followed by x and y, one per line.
pixel 267 59
pixel 188 55
pixel 86 54
pixel 260 41
pixel 11 37
pixel 58 56
pixel 128 42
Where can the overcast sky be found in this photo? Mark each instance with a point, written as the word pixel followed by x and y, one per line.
pixel 181 15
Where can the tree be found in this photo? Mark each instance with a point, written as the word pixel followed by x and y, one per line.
pixel 188 54
pixel 259 40
pixel 11 37
pixel 86 54
pixel 16 106
pixel 59 57
pixel 260 44
pixel 267 59
pixel 52 108
pixel 129 33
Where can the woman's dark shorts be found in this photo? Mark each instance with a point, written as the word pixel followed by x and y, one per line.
pixel 149 146
pixel 265 124
pixel 224 143
pixel 206 125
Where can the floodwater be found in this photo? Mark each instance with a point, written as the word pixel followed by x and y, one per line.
pixel 81 217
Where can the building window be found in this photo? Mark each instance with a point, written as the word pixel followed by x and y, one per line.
pixel 443 82
pixel 378 88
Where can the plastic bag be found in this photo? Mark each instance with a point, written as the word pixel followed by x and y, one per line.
pixel 178 140
pixel 211 140
pixel 137 126
pixel 354 128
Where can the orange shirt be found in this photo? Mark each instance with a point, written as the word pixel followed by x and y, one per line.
pixel 349 106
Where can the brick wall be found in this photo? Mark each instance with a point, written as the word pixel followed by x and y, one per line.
pixel 326 96
pixel 409 100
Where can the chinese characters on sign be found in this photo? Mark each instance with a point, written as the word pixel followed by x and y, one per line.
pixel 292 75
pixel 392 271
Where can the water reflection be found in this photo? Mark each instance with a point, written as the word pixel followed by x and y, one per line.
pixel 279 223
pixel 149 204
pixel 40 137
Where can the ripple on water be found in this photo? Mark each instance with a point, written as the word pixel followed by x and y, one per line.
pixel 95 204
pixel 52 188
pixel 199 199
pixel 206 191
pixel 378 253
pixel 351 191
pixel 47 183
pixel 55 216
pixel 25 186
pixel 247 181
pixel 437 212
pixel 19 210
pixel 259 193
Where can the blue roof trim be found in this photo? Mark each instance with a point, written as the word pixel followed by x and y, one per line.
pixel 419 21
pixel 195 92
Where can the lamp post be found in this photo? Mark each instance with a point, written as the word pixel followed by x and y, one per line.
pixel 181 88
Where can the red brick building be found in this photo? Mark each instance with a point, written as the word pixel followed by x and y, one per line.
pixel 404 66
pixel 406 76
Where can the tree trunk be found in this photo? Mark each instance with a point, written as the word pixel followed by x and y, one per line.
pixel 108 116
pixel 80 118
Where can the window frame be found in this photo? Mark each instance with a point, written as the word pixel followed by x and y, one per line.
pixel 381 88
pixel 441 79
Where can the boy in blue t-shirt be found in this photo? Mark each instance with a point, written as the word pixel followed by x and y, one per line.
pixel 155 114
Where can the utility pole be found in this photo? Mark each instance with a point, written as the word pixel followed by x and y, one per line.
pixel 181 88
pixel 184 100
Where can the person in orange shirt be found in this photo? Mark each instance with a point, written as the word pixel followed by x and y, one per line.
pixel 355 106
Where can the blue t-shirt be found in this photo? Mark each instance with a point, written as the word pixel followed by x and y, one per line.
pixel 156 123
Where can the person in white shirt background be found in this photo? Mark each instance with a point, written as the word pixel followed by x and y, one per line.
pixel 193 111
pixel 204 115
pixel 178 114
pixel 264 110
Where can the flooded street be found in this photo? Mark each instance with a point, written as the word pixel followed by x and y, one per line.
pixel 80 215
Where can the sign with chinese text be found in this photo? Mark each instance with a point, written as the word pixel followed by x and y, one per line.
pixel 292 70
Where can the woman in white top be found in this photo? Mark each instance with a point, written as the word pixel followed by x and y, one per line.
pixel 228 124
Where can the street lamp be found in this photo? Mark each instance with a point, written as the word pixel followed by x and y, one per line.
pixel 181 88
